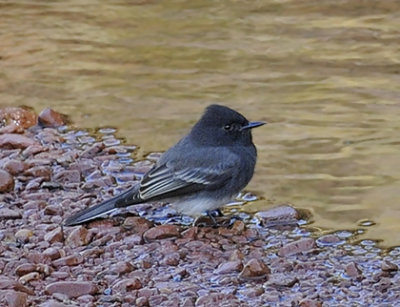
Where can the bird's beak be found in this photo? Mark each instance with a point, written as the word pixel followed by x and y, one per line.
pixel 252 125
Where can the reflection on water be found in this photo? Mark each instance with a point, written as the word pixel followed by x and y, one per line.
pixel 324 74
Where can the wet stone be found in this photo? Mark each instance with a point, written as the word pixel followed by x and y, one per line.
pixel 329 240
pixel 71 289
pixel 284 214
pixel 296 247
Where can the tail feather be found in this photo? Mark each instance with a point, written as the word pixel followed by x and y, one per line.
pixel 91 213
pixel 123 200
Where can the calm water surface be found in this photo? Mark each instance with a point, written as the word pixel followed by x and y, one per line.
pixel 324 74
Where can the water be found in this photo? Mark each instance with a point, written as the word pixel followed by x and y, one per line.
pixel 324 74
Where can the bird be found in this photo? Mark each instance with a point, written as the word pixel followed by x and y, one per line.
pixel 202 172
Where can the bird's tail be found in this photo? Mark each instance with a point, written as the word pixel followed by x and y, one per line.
pixel 99 210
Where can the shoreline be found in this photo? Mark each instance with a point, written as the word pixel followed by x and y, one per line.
pixel 47 172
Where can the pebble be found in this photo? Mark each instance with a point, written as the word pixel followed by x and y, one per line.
pixel 352 270
pixel 70 260
pixel 23 235
pixel 50 118
pixel 53 303
pixel 161 232
pixel 56 235
pixel 20 118
pixel 11 140
pixel 80 236
pixel 71 289
pixel 6 182
pixel 6 213
pixel 14 167
pixel 126 285
pixel 296 247
pixel 254 269
pixel 388 266
pixel 283 214
pixel 229 267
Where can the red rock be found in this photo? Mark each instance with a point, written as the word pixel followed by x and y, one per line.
pixel 389 266
pixel 238 227
pixel 34 149
pixel 216 299
pixel 56 235
pixel 14 167
pixel 12 140
pixel 6 182
pixel 283 214
pixel 171 259
pixel 25 268
pixel 19 118
pixel 14 298
pixel 229 267
pixel 71 289
pixel 125 285
pixel 137 224
pixel 52 253
pixel 190 233
pixel 254 269
pixel 28 277
pixel 352 270
pixel 71 260
pixel 122 267
pixel 50 118
pixel 310 303
pixel 161 232
pixel 6 213
pixel 78 237
pixel 299 246
pixel 39 171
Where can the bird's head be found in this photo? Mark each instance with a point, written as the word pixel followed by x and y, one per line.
pixel 222 126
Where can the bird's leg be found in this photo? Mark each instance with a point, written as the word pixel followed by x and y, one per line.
pixel 210 214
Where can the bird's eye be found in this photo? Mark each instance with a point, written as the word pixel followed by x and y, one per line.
pixel 228 127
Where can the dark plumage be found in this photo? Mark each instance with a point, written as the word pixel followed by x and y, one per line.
pixel 202 172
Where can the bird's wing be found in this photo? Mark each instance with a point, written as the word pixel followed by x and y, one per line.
pixel 172 179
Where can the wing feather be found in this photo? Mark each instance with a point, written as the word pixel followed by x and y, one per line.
pixel 171 179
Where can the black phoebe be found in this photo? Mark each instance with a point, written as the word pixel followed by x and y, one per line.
pixel 202 172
